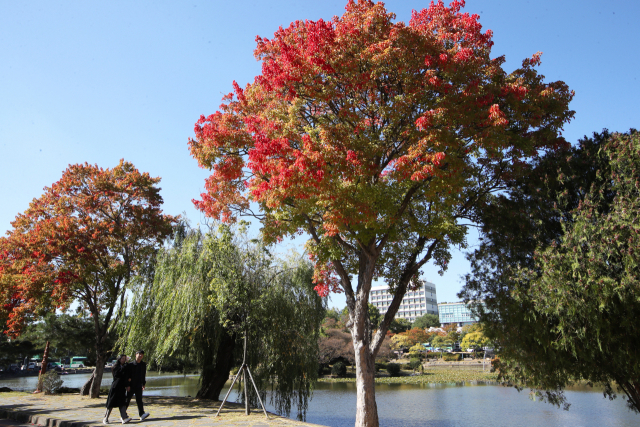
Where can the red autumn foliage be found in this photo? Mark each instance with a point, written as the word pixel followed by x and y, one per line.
pixel 294 139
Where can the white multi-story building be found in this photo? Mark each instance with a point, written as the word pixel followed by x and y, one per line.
pixel 414 304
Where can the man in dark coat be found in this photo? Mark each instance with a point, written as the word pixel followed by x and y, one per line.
pixel 137 382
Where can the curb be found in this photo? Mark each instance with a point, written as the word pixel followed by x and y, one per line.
pixel 40 420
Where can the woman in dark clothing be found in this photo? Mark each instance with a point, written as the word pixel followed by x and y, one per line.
pixel 117 396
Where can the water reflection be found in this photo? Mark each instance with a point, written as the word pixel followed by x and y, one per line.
pixel 404 405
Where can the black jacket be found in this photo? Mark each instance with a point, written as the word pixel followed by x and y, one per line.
pixel 116 396
pixel 138 373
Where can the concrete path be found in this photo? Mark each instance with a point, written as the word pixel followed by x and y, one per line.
pixel 75 411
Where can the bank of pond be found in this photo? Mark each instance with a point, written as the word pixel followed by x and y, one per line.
pixel 437 399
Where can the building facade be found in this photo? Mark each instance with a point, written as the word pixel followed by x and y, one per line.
pixel 414 304
pixel 455 312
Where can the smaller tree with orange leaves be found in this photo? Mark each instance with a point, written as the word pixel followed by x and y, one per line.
pixel 83 240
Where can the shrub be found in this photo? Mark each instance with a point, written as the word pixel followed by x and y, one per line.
pixel 339 369
pixel 433 355
pixel 416 352
pixel 393 369
pixel 51 382
pixel 451 357
pixel 415 363
pixel 380 365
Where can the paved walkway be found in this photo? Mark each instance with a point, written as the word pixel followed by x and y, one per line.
pixel 75 411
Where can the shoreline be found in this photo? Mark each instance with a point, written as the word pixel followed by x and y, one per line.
pixel 440 375
pixel 74 410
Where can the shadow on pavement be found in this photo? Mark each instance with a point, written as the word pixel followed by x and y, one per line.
pixel 175 418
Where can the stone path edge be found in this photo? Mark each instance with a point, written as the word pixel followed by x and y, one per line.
pixel 39 420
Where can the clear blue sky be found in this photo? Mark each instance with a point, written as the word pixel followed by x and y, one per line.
pixel 99 81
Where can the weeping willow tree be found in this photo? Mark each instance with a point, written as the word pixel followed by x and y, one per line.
pixel 205 291
pixel 274 304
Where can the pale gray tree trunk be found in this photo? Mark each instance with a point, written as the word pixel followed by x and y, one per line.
pixel 365 344
pixel 364 354
pixel 366 408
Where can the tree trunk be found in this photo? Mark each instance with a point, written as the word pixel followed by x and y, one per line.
pixel 92 387
pixel 43 366
pixel 366 408
pixel 97 375
pixel 365 345
pixel 214 376
pixel 85 390
pixel 632 390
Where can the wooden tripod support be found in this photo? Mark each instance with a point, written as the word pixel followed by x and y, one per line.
pixel 244 370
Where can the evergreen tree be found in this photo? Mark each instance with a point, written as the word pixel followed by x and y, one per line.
pixel 557 270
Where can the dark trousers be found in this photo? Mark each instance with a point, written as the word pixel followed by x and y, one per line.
pixel 138 392
pixel 123 412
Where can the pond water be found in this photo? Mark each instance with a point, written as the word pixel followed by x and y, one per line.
pixel 333 404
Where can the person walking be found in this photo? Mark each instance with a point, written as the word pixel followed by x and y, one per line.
pixel 117 393
pixel 137 381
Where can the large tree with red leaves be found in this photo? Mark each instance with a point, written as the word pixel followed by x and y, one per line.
pixel 378 139
pixel 83 240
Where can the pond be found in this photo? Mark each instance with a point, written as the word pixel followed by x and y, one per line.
pixel 333 404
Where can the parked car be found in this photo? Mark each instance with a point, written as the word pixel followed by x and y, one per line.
pixel 437 349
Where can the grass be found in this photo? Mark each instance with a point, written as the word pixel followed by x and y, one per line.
pixel 435 376
pixel 16 393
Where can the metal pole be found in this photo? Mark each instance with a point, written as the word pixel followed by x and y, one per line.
pixel 229 391
pixel 256 388
pixel 247 410
pixel 244 356
pixel 244 369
